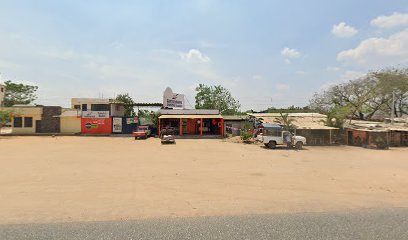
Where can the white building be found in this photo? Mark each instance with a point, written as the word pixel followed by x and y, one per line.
pixel 101 105
pixel 2 93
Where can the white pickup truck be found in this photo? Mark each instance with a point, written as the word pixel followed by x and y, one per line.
pixel 273 135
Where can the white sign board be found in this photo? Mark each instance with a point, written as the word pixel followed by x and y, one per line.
pixel 95 114
pixel 172 100
pixel 117 125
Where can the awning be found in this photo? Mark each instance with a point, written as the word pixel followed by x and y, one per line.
pixel 195 116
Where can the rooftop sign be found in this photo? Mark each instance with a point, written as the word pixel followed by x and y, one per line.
pixel 95 114
pixel 172 100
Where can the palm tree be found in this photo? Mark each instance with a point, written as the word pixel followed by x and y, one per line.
pixel 286 121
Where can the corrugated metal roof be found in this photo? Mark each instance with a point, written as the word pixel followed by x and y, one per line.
pixel 317 115
pixel 313 121
pixel 190 116
pixel 375 126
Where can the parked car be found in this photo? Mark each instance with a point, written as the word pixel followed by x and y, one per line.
pixel 167 135
pixel 273 135
pixel 142 132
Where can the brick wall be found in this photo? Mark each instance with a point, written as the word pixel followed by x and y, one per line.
pixel 50 123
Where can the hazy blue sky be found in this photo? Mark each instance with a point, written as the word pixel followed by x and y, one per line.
pixel 268 53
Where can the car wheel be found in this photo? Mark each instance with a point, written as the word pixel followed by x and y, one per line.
pixel 299 145
pixel 272 145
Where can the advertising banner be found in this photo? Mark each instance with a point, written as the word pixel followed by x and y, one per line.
pixel 95 114
pixel 117 125
pixel 96 125
pixel 172 100
pixel 132 120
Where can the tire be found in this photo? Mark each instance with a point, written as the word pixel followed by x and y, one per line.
pixel 299 145
pixel 272 145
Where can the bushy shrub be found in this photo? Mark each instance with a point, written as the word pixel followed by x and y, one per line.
pixel 245 134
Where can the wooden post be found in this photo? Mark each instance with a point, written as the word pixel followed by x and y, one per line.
pixel 181 127
pixel 201 127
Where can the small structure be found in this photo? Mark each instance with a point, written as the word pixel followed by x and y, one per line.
pixel 309 125
pixel 70 121
pixel 34 119
pixel 2 94
pixel 377 134
pixel 98 115
pixel 192 122
pixel 234 123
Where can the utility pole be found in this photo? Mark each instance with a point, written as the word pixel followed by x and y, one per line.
pixel 393 107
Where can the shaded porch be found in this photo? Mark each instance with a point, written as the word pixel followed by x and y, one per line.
pixel 193 126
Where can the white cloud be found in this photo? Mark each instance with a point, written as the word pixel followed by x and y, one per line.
pixel 195 56
pixel 378 52
pixel 343 30
pixel 394 20
pixel 282 87
pixel 290 53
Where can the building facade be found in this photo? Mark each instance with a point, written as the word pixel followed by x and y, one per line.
pixel 2 94
pixel 97 114
pixel 33 119
pixel 70 121
pixel 192 122
pixel 312 126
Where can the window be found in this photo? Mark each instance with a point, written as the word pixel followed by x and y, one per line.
pixel 272 131
pixel 84 107
pixel 2 89
pixel 77 106
pixel 18 122
pixel 100 107
pixel 28 122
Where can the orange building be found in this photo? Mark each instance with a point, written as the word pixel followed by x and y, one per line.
pixel 192 122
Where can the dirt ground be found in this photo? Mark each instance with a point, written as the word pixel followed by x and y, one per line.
pixel 45 179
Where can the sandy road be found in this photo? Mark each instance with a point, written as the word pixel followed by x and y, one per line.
pixel 62 179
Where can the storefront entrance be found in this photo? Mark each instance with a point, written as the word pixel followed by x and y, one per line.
pixel 190 126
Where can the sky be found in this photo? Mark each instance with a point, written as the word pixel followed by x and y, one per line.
pixel 267 53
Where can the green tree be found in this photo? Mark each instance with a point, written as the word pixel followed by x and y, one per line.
pixel 286 121
pixel 5 117
pixel 290 109
pixel 18 93
pixel 216 97
pixel 149 116
pixel 393 81
pixel 128 102
pixel 367 97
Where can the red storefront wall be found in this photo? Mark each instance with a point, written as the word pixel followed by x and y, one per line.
pixel 96 125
